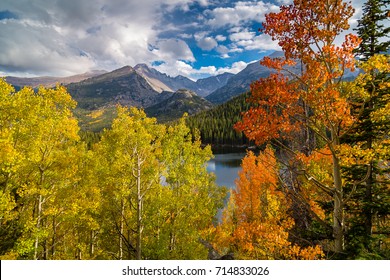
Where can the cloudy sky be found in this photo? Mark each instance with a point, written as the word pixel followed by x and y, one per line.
pixel 195 38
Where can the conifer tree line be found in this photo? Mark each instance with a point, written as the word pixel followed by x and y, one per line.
pixel 319 189
pixel 216 126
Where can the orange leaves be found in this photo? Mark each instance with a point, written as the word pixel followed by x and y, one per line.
pixel 306 24
pixel 257 181
pixel 350 43
pixel 275 105
pixel 319 165
pixel 306 31
pixel 256 223
pixel 277 63
pixel 308 253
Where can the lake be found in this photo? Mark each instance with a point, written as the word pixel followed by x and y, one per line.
pixel 225 167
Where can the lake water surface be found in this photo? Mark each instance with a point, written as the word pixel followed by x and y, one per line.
pixel 225 167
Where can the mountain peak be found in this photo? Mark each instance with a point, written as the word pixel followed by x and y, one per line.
pixel 185 93
pixel 141 66
pixel 124 70
pixel 181 77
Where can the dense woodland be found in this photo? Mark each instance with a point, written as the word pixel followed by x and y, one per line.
pixel 216 126
pixel 318 189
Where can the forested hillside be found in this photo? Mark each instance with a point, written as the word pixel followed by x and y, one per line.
pixel 216 126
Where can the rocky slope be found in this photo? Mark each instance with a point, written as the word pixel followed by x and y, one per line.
pixel 162 82
pixel 123 86
pixel 182 101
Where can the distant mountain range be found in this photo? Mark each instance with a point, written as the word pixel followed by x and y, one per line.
pixel 161 96
pixel 51 81
pixel 162 82
pixel 239 83
pixel 140 86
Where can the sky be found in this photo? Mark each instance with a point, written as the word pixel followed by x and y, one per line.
pixel 193 38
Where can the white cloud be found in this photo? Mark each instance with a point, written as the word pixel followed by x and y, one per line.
pixel 243 11
pixel 182 4
pixel 207 44
pixel 261 42
pixel 223 49
pixel 220 38
pixel 284 2
pixel 70 37
pixel 200 35
pixel 175 68
pixel 235 68
pixel 185 36
pixel 173 49
pixel 242 35
pixel 33 47
pixel 185 69
pixel 235 49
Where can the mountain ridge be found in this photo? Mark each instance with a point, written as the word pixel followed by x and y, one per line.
pixel 51 81
pixel 163 82
pixel 124 86
pixel 180 102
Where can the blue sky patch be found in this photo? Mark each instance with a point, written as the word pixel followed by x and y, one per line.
pixel 7 15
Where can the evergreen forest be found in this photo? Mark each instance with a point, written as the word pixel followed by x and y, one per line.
pixel 216 126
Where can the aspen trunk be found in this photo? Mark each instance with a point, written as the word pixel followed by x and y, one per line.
pixel 121 226
pixel 92 244
pixel 338 214
pixel 139 211
pixel 53 241
pixel 38 226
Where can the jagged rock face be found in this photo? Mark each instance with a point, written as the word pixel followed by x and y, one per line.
pixel 210 84
pixel 123 86
pixel 162 82
pixel 239 83
pixel 158 81
pixel 184 94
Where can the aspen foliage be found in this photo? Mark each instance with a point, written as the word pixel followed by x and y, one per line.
pixel 256 222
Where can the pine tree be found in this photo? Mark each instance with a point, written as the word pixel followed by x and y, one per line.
pixel 367 132
pixel 371 28
pixel 369 201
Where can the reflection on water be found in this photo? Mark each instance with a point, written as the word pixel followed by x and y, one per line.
pixel 226 167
